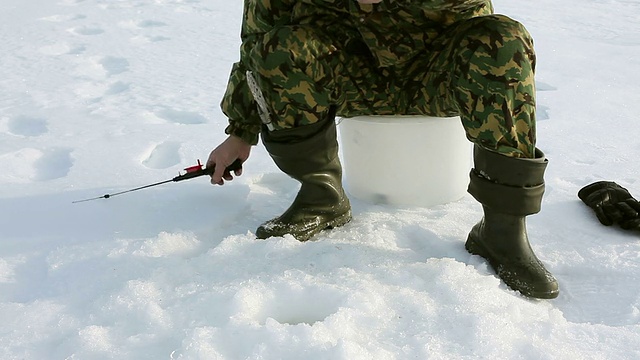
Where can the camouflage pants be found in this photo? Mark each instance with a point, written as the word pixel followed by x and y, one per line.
pixel 481 69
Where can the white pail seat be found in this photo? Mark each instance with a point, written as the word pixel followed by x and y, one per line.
pixel 405 160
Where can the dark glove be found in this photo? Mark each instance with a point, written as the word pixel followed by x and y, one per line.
pixel 630 224
pixel 612 204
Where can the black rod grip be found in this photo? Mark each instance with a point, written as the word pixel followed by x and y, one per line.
pixel 207 171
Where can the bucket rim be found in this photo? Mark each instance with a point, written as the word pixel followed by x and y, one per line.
pixel 397 118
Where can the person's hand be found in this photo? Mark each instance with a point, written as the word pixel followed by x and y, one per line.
pixel 230 150
pixel 631 224
pixel 612 204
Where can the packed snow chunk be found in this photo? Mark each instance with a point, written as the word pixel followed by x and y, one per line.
pixel 96 338
pixel 6 272
pixel 8 269
pixel 167 244
pixel 141 302
pixel 201 344
pixel 26 327
pixel 353 350
pixel 246 246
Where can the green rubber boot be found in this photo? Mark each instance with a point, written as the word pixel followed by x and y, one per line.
pixel 509 189
pixel 308 154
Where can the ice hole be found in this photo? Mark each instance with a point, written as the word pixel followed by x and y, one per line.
pixel 306 306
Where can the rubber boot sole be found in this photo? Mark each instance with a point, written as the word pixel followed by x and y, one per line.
pixel 476 248
pixel 331 224
pixel 264 233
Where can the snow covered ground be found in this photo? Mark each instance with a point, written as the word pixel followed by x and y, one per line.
pixel 98 96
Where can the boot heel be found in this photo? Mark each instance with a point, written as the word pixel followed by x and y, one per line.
pixel 473 247
pixel 339 221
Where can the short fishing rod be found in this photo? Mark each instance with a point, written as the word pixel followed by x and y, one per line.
pixel 190 173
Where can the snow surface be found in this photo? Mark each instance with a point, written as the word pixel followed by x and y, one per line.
pixel 99 96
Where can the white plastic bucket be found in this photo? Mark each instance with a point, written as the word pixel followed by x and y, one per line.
pixel 405 160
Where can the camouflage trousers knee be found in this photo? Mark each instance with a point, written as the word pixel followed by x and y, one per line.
pixel 481 69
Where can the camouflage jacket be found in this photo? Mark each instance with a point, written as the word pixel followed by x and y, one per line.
pixel 393 30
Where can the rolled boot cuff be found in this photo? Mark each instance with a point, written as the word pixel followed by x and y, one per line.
pixel 318 137
pixel 509 170
pixel 506 199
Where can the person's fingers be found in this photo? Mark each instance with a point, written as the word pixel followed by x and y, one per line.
pixel 602 217
pixel 227 175
pixel 212 161
pixel 597 198
pixel 233 151
pixel 627 211
pixel 586 191
pixel 634 204
pixel 219 173
pixel 613 212
pixel 216 179
pixel 633 224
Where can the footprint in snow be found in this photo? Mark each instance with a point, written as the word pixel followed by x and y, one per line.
pixel 64 18
pixel 77 49
pixel 425 243
pixel 157 38
pixel 29 164
pixel 150 24
pixel 86 30
pixel 100 68
pixel 139 40
pixel 587 295
pixel 163 156
pixel 181 117
pixel 27 126
pixel 276 183
pixel 70 2
pixel 542 112
pixel 53 164
pixel 584 161
pixel 56 49
pixel 542 86
pixel 143 25
pixel 117 88
pixel 62 49
pixel 114 65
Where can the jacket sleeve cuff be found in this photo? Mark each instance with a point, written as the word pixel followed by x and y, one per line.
pixel 247 132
